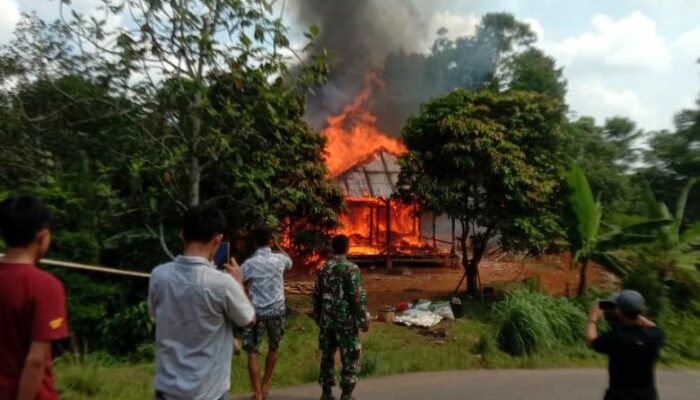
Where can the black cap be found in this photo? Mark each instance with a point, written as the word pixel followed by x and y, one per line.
pixel 629 302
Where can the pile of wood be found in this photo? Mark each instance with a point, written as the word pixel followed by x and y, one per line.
pixel 299 288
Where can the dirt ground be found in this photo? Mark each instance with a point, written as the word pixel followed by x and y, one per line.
pixel 430 282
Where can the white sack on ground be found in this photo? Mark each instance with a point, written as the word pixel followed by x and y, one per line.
pixel 424 319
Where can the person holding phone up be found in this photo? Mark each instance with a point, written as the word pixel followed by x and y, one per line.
pixel 195 307
pixel 263 276
pixel 632 346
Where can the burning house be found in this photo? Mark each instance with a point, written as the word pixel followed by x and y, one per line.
pixel 363 162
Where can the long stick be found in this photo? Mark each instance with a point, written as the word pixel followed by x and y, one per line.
pixel 86 267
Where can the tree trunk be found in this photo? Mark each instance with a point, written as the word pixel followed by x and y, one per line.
pixel 195 167
pixel 469 267
pixel 472 277
pixel 582 278
pixel 195 180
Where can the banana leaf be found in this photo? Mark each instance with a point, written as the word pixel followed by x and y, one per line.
pixel 587 210
pixel 611 263
pixel 631 235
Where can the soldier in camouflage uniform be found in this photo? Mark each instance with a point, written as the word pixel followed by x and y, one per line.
pixel 340 310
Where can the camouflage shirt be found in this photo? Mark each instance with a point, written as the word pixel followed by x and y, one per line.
pixel 340 299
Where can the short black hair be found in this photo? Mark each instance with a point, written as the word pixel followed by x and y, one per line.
pixel 21 218
pixel 340 244
pixel 201 223
pixel 262 234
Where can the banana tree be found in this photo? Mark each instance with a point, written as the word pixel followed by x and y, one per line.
pixel 676 247
pixel 597 247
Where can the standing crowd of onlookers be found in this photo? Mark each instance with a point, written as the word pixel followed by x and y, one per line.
pixel 197 306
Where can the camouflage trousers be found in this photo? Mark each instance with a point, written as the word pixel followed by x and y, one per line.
pixel 350 350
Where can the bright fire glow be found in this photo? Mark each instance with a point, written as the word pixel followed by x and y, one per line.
pixel 352 134
pixel 365 225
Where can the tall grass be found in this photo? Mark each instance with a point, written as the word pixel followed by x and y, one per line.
pixel 529 322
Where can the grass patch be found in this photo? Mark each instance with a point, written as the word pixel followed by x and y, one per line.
pixel 468 343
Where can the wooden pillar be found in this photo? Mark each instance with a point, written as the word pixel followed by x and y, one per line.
pixel 434 236
pixel 389 265
pixel 371 224
pixel 376 226
pixel 453 250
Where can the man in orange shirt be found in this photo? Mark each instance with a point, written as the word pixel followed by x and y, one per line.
pixel 32 303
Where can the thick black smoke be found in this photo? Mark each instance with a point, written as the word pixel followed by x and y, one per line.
pixel 383 36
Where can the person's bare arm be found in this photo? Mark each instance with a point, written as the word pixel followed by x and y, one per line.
pixel 592 325
pixel 33 371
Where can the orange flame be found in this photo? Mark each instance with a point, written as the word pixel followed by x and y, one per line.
pixel 352 134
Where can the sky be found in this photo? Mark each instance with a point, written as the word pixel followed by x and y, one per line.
pixel 634 58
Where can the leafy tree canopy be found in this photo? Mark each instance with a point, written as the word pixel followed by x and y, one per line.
pixel 492 161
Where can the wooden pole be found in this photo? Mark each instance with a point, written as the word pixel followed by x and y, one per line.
pixel 453 250
pixel 389 266
pixel 371 225
pixel 434 235
pixel 85 267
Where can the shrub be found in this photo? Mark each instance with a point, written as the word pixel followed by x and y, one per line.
pixel 682 339
pixel 368 364
pixel 684 290
pixel 124 332
pixel 530 322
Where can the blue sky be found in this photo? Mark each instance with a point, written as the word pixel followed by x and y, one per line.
pixel 635 58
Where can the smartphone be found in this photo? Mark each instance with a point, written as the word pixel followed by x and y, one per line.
pixel 606 305
pixel 222 255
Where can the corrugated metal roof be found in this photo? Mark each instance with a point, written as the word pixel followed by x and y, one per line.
pixel 375 176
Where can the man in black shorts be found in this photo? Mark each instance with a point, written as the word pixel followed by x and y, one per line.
pixel 632 346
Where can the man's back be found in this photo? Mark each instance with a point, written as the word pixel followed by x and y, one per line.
pixel 194 306
pixel 633 352
pixel 340 297
pixel 32 308
pixel 264 273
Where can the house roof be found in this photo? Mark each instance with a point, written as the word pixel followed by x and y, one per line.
pixel 375 176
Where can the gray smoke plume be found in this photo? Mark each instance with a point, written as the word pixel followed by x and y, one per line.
pixel 383 36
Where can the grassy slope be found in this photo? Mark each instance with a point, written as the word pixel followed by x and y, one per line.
pixel 388 349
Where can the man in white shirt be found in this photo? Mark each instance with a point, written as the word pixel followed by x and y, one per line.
pixel 263 276
pixel 195 307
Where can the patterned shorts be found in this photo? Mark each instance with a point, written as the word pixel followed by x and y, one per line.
pixel 252 337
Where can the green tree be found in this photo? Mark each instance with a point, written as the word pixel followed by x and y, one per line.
pixel 167 50
pixel 590 244
pixel 472 62
pixel 534 71
pixel 676 246
pixel 607 154
pixel 493 162
pixel 674 159
pixel 177 131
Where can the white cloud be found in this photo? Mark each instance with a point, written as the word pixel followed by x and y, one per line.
pixel 630 42
pixel 9 16
pixel 536 27
pixel 689 42
pixel 592 97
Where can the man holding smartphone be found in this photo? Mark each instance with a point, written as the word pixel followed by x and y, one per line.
pixel 632 347
pixel 195 307
pixel 263 275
